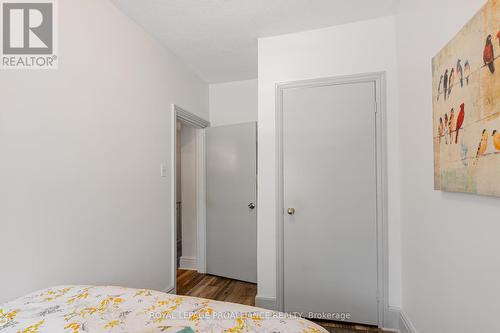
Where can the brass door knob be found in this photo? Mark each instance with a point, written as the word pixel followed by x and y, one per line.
pixel 291 211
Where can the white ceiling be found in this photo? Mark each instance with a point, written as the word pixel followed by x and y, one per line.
pixel 218 38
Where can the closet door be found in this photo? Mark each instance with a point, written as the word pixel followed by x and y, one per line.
pixel 330 200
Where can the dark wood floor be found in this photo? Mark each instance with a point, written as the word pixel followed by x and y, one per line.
pixel 192 283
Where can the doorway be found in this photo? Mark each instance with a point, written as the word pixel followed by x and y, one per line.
pixel 214 219
pixel 331 199
pixel 188 134
pixel 186 219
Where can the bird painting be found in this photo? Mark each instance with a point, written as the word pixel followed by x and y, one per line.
pixel 452 124
pixel 452 81
pixel 440 129
pixel 445 84
pixel 483 145
pixel 440 86
pixel 460 72
pixel 489 55
pixel 496 140
pixel 467 71
pixel 465 96
pixel 460 121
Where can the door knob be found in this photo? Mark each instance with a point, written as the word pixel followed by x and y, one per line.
pixel 291 211
pixel 251 205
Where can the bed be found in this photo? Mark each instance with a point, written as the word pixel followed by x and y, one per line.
pixel 90 309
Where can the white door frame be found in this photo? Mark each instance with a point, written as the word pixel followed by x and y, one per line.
pixel 382 233
pixel 199 124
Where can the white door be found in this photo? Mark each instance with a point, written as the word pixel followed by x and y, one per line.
pixel 231 201
pixel 330 180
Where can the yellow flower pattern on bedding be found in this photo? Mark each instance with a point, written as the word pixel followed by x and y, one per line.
pixel 92 309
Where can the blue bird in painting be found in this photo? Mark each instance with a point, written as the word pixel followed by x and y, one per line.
pixel 440 86
pixel 452 81
pixel 460 72
pixel 445 84
pixel 467 71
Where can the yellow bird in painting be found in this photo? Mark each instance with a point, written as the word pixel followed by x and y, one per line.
pixel 483 145
pixel 496 139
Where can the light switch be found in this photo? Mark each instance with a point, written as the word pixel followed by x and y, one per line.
pixel 163 170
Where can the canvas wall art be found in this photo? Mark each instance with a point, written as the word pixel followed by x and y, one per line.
pixel 466 107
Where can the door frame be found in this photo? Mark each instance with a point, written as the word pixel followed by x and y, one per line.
pixel 381 143
pixel 200 124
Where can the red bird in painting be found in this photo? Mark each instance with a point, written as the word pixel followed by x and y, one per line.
pixel 440 129
pixel 489 55
pixel 460 121
pixel 498 37
pixel 446 128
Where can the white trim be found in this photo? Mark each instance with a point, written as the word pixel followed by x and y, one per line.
pixel 268 303
pixel 188 263
pixel 200 124
pixel 382 233
pixel 392 319
pixel 190 118
pixel 201 204
pixel 173 198
pixel 406 326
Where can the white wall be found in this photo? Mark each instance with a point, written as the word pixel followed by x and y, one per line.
pixel 233 102
pixel 450 242
pixel 362 47
pixel 188 197
pixel 81 198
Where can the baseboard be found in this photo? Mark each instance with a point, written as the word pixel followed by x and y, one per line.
pixel 396 319
pixel 405 324
pixel 189 263
pixel 268 303
pixel 392 318
pixel 169 290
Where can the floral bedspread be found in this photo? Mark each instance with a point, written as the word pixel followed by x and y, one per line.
pixel 91 309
